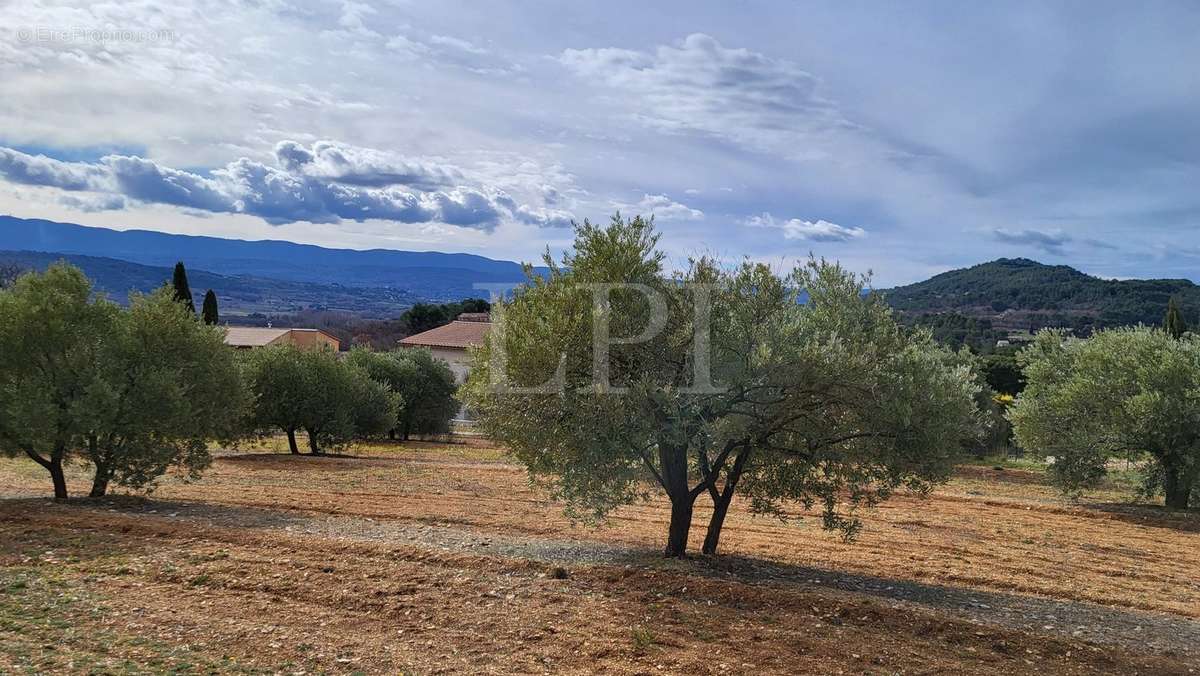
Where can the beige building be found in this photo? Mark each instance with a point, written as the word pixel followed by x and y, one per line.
pixel 450 342
pixel 249 337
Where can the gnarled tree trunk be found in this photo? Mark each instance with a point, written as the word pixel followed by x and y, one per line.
pixel 103 470
pixel 291 435
pixel 312 443
pixel 721 500
pixel 100 481
pixel 54 465
pixel 59 478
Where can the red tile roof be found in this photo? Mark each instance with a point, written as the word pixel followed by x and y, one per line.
pixel 455 335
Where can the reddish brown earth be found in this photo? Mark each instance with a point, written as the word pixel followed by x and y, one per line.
pixel 433 559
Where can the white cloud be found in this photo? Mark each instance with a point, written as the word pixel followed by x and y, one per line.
pixel 459 44
pixel 26 169
pixel 702 86
pixel 488 107
pixel 663 208
pixel 814 231
pixel 451 51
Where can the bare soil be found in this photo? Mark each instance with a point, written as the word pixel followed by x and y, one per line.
pixel 443 559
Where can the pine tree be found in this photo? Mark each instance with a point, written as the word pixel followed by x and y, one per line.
pixel 208 311
pixel 1173 323
pixel 183 292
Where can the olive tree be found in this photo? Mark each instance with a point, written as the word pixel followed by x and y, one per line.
pixel 51 334
pixel 132 392
pixel 385 369
pixel 1122 393
pixel 167 385
pixel 608 377
pixel 429 388
pixel 424 384
pixel 331 400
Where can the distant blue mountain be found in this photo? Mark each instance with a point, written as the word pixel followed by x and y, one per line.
pixel 237 295
pixel 428 275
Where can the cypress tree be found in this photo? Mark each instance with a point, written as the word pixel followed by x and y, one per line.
pixel 1173 323
pixel 183 292
pixel 208 311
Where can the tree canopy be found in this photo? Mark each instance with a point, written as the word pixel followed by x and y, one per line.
pixel 1123 393
pixel 1173 322
pixel 183 291
pixel 608 376
pixel 166 385
pixel 131 391
pixel 1003 373
pixel 1044 295
pixel 331 400
pixel 425 384
pixel 425 316
pixel 9 274
pixel 208 310
pixel 51 334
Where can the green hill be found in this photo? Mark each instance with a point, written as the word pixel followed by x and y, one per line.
pixel 1017 295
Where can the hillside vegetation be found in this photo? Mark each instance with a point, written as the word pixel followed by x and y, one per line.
pixel 1018 294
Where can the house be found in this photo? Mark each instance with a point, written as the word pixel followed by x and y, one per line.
pixel 450 341
pixel 249 337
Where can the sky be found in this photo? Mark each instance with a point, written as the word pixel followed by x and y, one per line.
pixel 901 138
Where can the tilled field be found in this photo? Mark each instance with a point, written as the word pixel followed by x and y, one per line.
pixel 443 560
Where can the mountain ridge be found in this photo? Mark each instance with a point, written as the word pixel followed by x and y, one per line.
pixel 1006 294
pixel 430 275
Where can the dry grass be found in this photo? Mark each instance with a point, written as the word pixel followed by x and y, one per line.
pixel 90 588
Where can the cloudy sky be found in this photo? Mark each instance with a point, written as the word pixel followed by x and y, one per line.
pixel 906 138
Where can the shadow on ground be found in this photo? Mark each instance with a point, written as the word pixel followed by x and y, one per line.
pixel 1142 631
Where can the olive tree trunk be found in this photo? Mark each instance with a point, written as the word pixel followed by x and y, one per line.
pixel 100 481
pixel 681 525
pixel 54 465
pixel 673 465
pixel 291 435
pixel 1177 486
pixel 721 500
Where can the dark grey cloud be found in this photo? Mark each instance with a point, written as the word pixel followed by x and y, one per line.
pixel 1052 242
pixel 363 166
pixel 93 203
pixel 147 181
pixel 325 183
